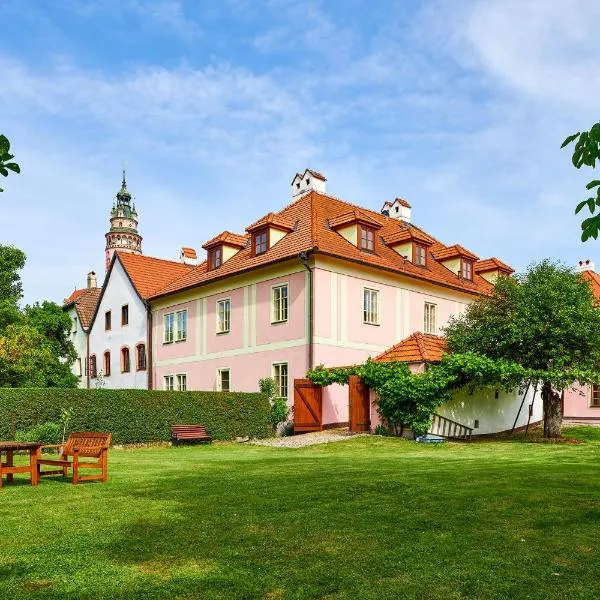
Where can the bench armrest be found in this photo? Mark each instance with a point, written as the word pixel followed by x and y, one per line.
pixel 51 446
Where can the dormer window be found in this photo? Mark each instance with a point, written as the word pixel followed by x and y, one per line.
pixel 419 255
pixel 260 241
pixel 466 269
pixel 367 238
pixel 215 258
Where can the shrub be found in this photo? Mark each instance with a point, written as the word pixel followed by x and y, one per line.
pixel 136 416
pixel 279 410
pixel 45 433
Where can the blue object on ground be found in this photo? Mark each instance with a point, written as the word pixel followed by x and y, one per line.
pixel 430 439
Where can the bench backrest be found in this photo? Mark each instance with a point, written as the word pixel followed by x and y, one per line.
pixel 188 429
pixel 87 443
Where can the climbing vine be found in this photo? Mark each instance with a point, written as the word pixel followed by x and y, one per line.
pixel 407 399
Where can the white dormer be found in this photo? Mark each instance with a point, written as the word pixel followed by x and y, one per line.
pixel 307 182
pixel 398 209
pixel 585 265
pixel 188 256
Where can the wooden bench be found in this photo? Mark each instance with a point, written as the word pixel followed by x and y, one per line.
pixel 83 444
pixel 189 433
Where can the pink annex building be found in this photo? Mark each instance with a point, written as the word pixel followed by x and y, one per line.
pixel 320 282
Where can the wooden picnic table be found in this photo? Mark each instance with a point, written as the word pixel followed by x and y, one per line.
pixel 8 468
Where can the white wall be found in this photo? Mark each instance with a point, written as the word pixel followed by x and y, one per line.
pixel 494 414
pixel 79 339
pixel 118 292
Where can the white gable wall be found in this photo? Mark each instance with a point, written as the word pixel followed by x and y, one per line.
pixel 79 339
pixel 119 291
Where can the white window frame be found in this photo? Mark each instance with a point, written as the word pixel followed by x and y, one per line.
pixel 371 316
pixel 430 325
pixel 277 377
pixel 169 328
pixel 179 378
pixel 174 333
pixel 224 326
pixel 169 383
pixel 280 310
pixel 181 332
pixel 220 380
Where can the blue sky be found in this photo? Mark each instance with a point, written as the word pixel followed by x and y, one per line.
pixel 458 106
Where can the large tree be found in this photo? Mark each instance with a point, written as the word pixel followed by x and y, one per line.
pixel 545 320
pixel 6 157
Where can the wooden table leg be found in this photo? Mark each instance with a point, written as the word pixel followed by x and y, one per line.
pixel 34 454
pixel 1 469
pixel 9 463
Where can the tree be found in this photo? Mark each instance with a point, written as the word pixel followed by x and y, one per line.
pixel 5 159
pixel 546 321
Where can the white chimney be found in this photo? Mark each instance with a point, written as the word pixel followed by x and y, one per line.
pixel 585 265
pixel 307 182
pixel 188 256
pixel 398 209
pixel 92 282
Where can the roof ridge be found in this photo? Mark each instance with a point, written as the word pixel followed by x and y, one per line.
pixel 418 336
pixel 121 253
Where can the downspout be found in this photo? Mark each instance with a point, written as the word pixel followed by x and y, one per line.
pixel 303 256
pixel 87 360
pixel 149 346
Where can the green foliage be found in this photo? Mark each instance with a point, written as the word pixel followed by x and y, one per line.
pixel 45 433
pixel 55 325
pixel 279 410
pixel 5 159
pixel 267 386
pixel 383 431
pixel 586 151
pixel 66 416
pixel 137 416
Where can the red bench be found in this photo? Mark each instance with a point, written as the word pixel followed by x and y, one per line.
pixel 189 433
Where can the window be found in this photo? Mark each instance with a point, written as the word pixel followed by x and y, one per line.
pixel 260 241
pixel 140 357
pixel 223 316
pixel 279 302
pixel 125 314
pixel 168 382
pixel 175 327
pixel 107 320
pixel 125 362
pixel 371 306
pixel 214 258
pixel 595 399
pixel 181 383
pixel 466 269
pixel 430 318
pixel 420 255
pixel 280 375
pixel 367 239
pixel 74 325
pixel 224 380
pixel 107 364
pixel 79 373
pixel 93 367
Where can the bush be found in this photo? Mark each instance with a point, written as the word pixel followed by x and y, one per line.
pixel 45 433
pixel 279 412
pixel 136 416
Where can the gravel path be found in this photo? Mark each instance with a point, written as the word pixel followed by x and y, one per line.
pixel 308 439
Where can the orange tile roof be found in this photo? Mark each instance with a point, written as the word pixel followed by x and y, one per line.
pixel 275 220
pixel 85 301
pixel 148 274
pixel 416 348
pixel 356 215
pixel 406 234
pixel 492 264
pixel 453 252
pixel 311 214
pixel 594 280
pixel 228 238
pixel 401 201
pixel 189 253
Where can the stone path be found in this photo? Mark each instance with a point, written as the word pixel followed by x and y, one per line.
pixel 308 439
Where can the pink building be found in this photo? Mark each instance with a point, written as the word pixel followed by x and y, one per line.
pixel 320 282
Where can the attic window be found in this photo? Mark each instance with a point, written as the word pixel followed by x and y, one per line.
pixel 298 185
pixel 260 242
pixel 307 181
pixel 420 255
pixel 214 258
pixel 367 238
pixel 397 209
pixel 466 269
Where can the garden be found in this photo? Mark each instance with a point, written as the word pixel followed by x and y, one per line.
pixel 371 517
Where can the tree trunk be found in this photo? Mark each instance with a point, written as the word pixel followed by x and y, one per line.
pixel 552 411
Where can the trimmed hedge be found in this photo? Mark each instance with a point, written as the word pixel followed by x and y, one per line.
pixel 136 416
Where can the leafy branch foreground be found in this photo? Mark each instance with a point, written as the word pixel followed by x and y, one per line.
pixel 5 159
pixel 407 399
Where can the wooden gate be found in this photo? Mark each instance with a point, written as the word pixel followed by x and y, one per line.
pixel 308 406
pixel 359 404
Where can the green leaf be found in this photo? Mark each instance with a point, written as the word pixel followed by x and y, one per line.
pixel 569 139
pixel 14 167
pixel 4 144
pixel 580 206
pixel 595 132
pixel 593 184
pixel 3 171
pixel 576 160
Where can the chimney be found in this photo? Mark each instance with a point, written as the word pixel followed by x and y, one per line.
pixel 188 256
pixel 307 182
pixel 399 209
pixel 585 265
pixel 92 282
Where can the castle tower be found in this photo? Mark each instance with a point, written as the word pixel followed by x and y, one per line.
pixel 123 234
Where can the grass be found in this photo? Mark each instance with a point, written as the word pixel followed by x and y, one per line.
pixel 366 518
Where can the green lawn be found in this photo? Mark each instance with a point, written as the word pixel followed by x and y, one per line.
pixel 366 518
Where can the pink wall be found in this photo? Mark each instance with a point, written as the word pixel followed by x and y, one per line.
pixel 445 309
pixel 218 342
pixel 577 403
pixel 291 329
pixel 322 316
pixel 175 349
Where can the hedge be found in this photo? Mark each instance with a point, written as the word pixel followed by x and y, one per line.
pixel 136 416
